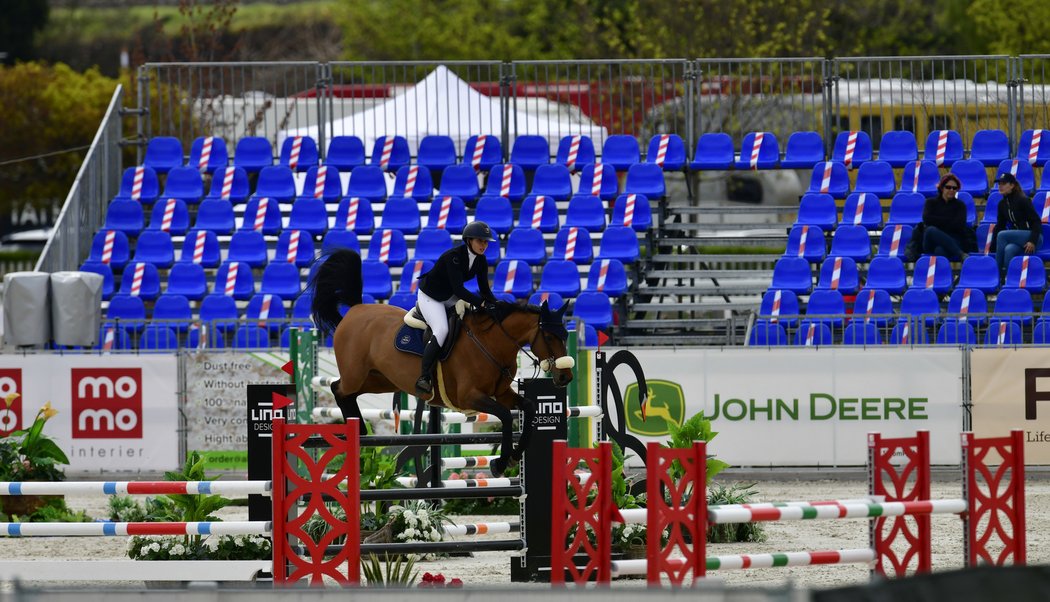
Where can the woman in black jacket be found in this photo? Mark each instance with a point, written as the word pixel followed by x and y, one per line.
pixel 1016 210
pixel 442 286
pixel 945 231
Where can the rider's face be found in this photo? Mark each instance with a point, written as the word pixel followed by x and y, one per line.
pixel 478 246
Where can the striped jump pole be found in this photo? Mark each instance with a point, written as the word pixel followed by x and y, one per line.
pixel 125 529
pixel 467 462
pixel 330 413
pixel 861 510
pixel 237 488
pixel 757 561
pixel 464 483
pixel 497 528
pixel 864 500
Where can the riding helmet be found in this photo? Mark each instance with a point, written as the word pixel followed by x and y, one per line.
pixel 478 230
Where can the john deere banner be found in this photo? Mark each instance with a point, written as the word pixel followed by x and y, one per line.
pixel 1011 390
pixel 801 407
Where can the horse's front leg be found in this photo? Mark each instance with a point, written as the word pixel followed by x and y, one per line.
pixel 505 459
pixel 512 400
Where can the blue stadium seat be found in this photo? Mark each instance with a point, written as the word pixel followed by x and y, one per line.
pixel 200 246
pixel 803 150
pixel 817 210
pixel 527 245
pixel 298 153
pixel 148 288
pixel 492 253
pixel 345 153
pixel 400 213
pixel 876 177
pixel 779 306
pixel 553 180
pixel 852 149
pixel 496 212
pixel 506 180
pixel 920 304
pixel 827 306
pixel 812 333
pixel 1027 272
pixel 952 145
pixel 238 185
pixel 435 153
pixel 460 180
pixel 171 216
pixel 294 246
pixel 575 151
pixel 921 177
pixel 376 276
pixel 906 208
pixel 893 240
pixel 607 276
pixel 539 212
pixel 489 154
pixel 447 213
pixel 621 151
pixel 251 336
pixel 124 215
pixel 905 333
pixel 530 151
pixel 1042 208
pixel 991 208
pixel 586 211
pixel 932 271
pixel 979 272
pixel 414 182
pixel 389 153
pixel 515 278
pixel 127 308
pixel 600 180
pixel 863 208
pixel 102 269
pixel 851 241
pixel 263 214
pixel 432 242
pixel 967 304
pixel 220 311
pixel 714 151
pixel 406 300
pixel 861 333
pixel 806 242
pixel 840 274
pixel 355 214
pixel 574 244
pixel 1041 332
pixel 173 306
pixel 187 279
pixel 990 147
pixel 768 151
pixel 155 246
pixel 1022 171
pixel 184 183
pixel 875 305
pixel 554 300
pixel 388 246
pixel 276 182
pixel 148 188
pixel 829 178
pixel 619 243
pixel 340 239
pixel 248 247
pixel 792 274
pixel 973 176
pixel 954 332
pixel 282 279
pixel 217 157
pixel 886 273
pixel 118 252
pixel 409 282
pixel 367 182
pixel 331 187
pixel 971 207
pixel 253 153
pixel 767 334
pixel 632 210
pixel 1040 154
pixel 898 147
pixel 1003 332
pixel 666 151
pixel 593 308
pixel 158 337
pixel 163 154
pixel 647 179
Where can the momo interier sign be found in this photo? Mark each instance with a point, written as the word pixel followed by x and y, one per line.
pixel 116 413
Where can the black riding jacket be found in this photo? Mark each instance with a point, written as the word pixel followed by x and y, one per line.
pixel 1017 209
pixel 449 273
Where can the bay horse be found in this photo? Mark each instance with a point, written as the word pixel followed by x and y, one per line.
pixel 475 377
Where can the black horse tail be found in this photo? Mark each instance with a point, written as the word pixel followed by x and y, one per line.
pixel 336 281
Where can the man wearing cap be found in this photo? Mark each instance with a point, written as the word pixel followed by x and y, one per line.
pixel 1017 213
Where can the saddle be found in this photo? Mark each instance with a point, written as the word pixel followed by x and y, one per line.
pixel 412 337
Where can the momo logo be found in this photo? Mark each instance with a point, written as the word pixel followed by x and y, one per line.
pixel 107 403
pixel 664 408
pixel 10 415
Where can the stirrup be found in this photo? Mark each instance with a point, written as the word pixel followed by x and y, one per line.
pixel 424 387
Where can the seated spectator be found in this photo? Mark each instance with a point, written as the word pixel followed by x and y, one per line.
pixel 1017 213
pixel 944 228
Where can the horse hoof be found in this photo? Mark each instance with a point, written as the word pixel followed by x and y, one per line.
pixel 498 466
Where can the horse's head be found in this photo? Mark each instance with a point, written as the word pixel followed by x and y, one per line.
pixel 549 345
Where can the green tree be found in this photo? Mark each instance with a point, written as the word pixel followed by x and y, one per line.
pixel 1013 27
pixel 20 21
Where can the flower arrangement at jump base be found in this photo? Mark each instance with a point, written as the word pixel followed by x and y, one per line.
pixel 417 521
pixel 29 455
pixel 438 580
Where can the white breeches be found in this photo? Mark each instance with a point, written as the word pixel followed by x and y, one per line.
pixel 434 314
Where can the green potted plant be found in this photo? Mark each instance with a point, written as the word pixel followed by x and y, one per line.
pixel 30 455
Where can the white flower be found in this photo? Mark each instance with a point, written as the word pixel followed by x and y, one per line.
pixel 434 535
pixel 410 532
pixel 178 550
pixel 239 542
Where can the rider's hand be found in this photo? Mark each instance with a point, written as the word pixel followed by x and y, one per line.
pixel 1029 248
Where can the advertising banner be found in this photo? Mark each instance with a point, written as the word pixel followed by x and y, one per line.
pixel 116 413
pixel 801 407
pixel 1011 390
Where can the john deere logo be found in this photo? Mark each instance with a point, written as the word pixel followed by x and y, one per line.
pixel 665 407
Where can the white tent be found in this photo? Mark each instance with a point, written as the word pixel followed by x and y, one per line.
pixel 442 103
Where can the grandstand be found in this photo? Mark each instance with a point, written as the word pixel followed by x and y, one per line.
pixel 672 202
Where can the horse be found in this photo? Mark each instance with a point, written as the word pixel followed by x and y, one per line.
pixel 475 377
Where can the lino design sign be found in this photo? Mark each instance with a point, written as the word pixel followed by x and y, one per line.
pixel 664 409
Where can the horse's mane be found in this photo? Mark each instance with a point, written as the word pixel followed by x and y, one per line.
pixel 505 309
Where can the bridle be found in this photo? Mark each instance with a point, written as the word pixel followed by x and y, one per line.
pixel 545 365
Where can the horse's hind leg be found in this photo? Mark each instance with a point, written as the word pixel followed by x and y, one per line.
pixel 506 448
pixel 347 403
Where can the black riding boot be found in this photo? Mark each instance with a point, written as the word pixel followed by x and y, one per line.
pixel 424 386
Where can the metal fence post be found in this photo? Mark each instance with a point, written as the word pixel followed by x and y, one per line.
pixel 507 89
